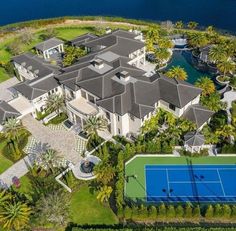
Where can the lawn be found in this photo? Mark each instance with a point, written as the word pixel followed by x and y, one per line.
pixel 135 188
pixel 4 162
pixel 86 209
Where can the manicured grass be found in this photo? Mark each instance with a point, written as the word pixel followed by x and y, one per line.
pixel 69 33
pixel 4 162
pixel 135 188
pixel 86 209
pixel 3 75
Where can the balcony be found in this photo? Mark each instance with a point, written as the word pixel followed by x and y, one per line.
pixel 82 107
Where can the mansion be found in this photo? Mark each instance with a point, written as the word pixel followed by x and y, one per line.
pixel 109 81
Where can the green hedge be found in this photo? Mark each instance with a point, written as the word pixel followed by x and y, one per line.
pixel 58 119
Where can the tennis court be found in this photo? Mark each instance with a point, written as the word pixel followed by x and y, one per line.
pixel 194 183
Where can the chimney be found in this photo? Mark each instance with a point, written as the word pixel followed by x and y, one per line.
pixel 98 63
pixel 123 75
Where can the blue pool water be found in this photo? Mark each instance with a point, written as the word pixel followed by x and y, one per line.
pixel 220 13
pixel 193 183
pixel 183 59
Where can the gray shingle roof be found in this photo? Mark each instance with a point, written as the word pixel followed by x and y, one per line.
pixel 7 111
pixel 48 44
pixel 198 114
pixel 37 87
pixel 80 40
pixel 194 139
pixel 34 64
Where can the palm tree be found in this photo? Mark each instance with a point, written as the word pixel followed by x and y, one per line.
pixel 226 67
pixel 12 128
pixel 14 215
pixel 53 208
pixel 217 54
pixel 104 172
pixel 177 72
pixel 198 40
pixel 192 25
pixel 49 160
pixel 152 34
pixel 105 193
pixel 179 25
pixel 206 84
pixel 212 101
pixel 226 131
pixel 165 43
pixel 94 124
pixel 162 54
pixel 55 102
pixel 4 196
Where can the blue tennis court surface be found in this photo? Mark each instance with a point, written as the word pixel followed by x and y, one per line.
pixel 194 183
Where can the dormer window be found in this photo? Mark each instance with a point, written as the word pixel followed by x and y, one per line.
pixel 98 63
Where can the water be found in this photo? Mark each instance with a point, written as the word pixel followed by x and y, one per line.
pixel 183 59
pixel 220 13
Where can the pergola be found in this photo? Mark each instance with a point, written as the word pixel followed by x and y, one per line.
pixel 49 47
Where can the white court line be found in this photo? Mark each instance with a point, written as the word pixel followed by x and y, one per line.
pixel 221 182
pixel 168 185
pixel 187 169
pixel 195 196
pixel 208 182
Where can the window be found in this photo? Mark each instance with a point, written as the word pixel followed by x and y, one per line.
pixel 172 107
pixel 91 99
pixel 118 131
pixel 108 115
pixel 132 117
pixel 52 91
pixel 49 93
pixel 83 94
pixel 118 118
pixel 41 109
pixel 56 89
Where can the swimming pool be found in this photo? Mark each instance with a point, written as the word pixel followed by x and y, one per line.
pixel 184 60
pixel 190 183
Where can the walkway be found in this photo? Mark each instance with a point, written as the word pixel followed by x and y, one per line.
pixel 18 170
pixel 65 142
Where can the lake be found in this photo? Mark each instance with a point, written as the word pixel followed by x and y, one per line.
pixel 220 13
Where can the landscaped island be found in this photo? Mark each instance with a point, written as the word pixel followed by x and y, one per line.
pixel 116 123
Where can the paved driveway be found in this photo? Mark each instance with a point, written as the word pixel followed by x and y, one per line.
pixel 5 92
pixel 65 142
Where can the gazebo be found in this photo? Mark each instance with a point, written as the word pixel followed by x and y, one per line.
pixel 194 141
pixel 50 47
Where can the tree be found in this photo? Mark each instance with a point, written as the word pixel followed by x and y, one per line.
pixel 217 53
pixel 217 210
pixel 152 212
pixel 152 34
pixel 210 136
pixel 4 196
pixel 210 30
pixel 26 36
pixel 15 47
pixel 14 215
pixel 226 131
pixel 226 67
pixel 170 213
pixel 212 101
pixel 48 33
pixel 188 211
pixel 12 128
pixel 162 211
pixel 104 172
pixel 226 211
pixel 197 40
pixel 165 43
pixel 179 24
pixel 192 25
pixel 55 102
pixel 94 124
pixel 179 211
pixel 53 208
pixel 206 84
pixel 104 193
pixel 49 160
pixel 209 212
pixel 196 212
pixel 162 55
pixel 72 54
pixel 177 72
